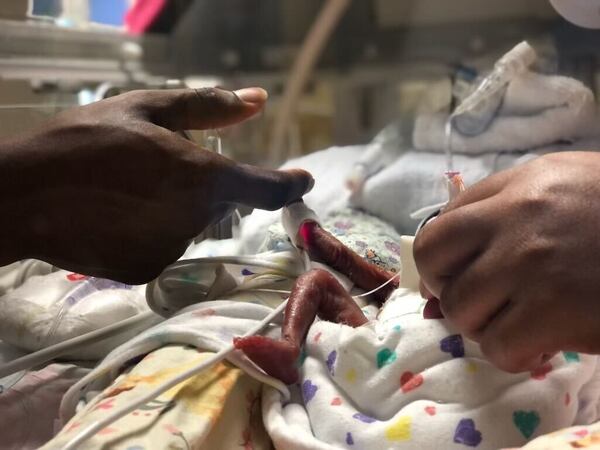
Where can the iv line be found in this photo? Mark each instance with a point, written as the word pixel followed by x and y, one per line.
pixel 95 427
pixel 98 425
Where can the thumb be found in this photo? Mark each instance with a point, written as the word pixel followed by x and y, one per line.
pixel 199 109
pixel 264 188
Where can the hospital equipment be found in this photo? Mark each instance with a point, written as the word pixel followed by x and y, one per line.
pixel 475 113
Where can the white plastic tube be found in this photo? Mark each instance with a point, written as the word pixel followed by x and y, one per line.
pixel 49 353
pixel 95 427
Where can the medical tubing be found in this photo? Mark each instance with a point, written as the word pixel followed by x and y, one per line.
pixel 95 427
pixel 47 354
pixel 378 287
pixel 283 291
pixel 249 261
pixel 513 63
pixel 448 143
pixel 64 308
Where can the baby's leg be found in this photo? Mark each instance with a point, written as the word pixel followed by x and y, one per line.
pixel 325 248
pixel 315 293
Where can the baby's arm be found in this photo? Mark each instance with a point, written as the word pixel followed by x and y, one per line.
pixel 315 293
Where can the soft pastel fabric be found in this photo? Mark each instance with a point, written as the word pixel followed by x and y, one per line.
pixel 416 179
pixel 47 309
pixel 399 382
pixel 405 382
pixel 217 409
pixel 14 275
pixel 30 406
pixel 373 239
pixel 537 110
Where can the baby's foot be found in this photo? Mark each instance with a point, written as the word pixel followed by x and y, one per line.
pixel 276 357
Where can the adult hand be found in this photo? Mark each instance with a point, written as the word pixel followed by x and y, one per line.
pixel 515 260
pixel 111 190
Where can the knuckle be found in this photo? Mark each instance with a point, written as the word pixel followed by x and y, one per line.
pixel 135 97
pixel 206 94
pixel 451 302
pixel 536 250
pixel 536 203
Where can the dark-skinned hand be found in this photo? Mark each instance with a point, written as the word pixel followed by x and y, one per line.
pixel 111 190
pixel 515 260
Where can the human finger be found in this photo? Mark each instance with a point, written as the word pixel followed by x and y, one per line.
pixel 472 297
pixel 263 188
pixel 198 109
pixel 450 242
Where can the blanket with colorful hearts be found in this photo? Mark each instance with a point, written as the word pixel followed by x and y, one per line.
pixel 409 383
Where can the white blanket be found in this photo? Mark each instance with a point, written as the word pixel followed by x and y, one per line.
pixel 537 111
pixel 405 382
pixel 398 382
pixel 412 383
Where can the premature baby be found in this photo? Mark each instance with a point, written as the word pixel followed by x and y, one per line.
pixel 391 378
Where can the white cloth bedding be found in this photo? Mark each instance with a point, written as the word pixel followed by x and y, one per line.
pixel 402 381
pixel 398 382
pixel 47 309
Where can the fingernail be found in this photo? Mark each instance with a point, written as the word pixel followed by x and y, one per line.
pixel 304 173
pixel 252 95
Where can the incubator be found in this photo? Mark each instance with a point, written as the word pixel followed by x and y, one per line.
pixel 394 107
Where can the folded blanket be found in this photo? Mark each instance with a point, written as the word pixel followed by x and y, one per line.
pixel 50 308
pixel 537 110
pixel 416 179
pixel 398 382
pixel 405 382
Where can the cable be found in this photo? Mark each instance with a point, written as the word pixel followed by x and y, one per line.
pixel 95 427
pixel 283 291
pixel 311 49
pixel 378 287
pixel 272 291
pixel 47 354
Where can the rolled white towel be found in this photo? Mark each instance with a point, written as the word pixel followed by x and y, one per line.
pixel 537 110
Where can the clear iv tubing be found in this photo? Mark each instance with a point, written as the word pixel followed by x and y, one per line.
pixel 95 427
pixel 245 260
pixel 366 294
pixel 448 145
pixel 64 308
pixel 515 62
pixel 49 353
pixel 214 143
